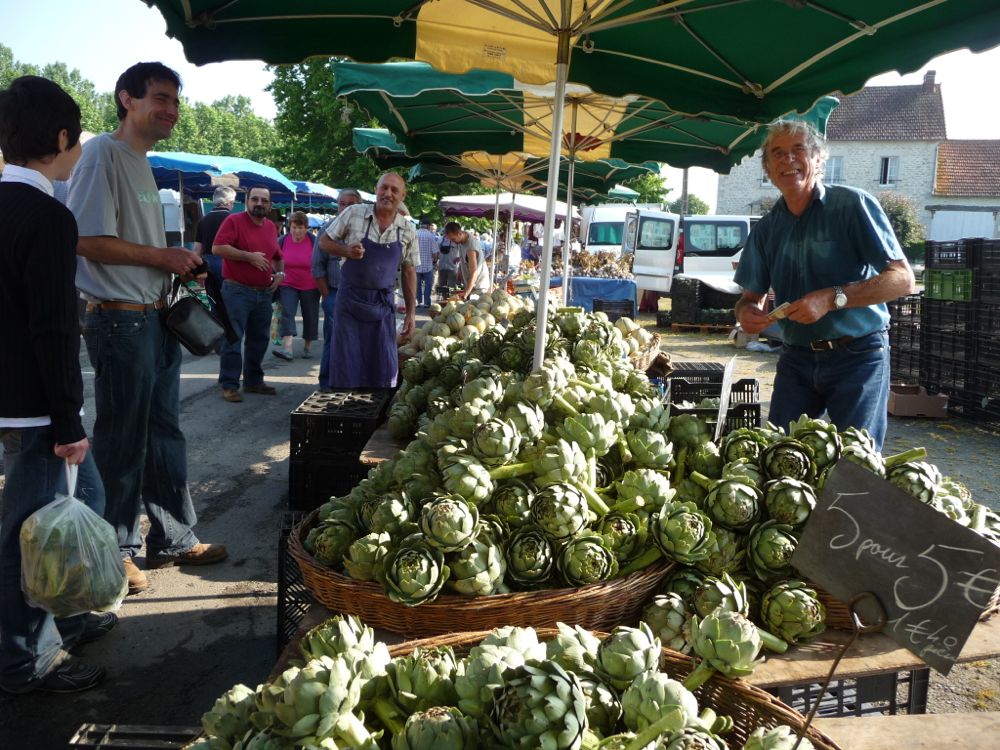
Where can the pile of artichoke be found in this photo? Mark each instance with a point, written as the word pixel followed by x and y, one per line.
pixel 462 321
pixel 604 264
pixel 510 691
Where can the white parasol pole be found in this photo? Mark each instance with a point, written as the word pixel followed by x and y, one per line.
pixel 496 227
pixel 562 73
pixel 510 233
pixel 568 223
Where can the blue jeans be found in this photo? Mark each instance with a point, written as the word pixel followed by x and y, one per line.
pixel 850 383
pixel 138 444
pixel 324 362
pixel 290 298
pixel 425 283
pixel 250 315
pixel 30 638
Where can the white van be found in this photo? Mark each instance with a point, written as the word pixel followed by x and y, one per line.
pixel 710 248
pixel 652 236
pixel 602 227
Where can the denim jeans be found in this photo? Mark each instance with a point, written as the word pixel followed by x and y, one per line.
pixel 290 299
pixel 425 284
pixel 324 362
pixel 30 638
pixel 850 383
pixel 250 314
pixel 215 269
pixel 138 444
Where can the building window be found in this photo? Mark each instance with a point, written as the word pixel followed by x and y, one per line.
pixel 888 173
pixel 835 170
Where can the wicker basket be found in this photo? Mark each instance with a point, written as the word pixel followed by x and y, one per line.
pixel 596 606
pixel 642 360
pixel 749 706
pixel 838 615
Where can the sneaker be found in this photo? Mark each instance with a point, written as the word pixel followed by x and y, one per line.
pixel 231 395
pixel 261 389
pixel 282 354
pixel 137 580
pixel 70 676
pixel 306 354
pixel 200 554
pixel 97 625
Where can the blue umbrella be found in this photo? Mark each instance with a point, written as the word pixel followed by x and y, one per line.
pixel 194 173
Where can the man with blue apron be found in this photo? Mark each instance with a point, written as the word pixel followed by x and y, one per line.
pixel 375 241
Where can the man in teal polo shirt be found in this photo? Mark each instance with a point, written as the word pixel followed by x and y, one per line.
pixel 830 252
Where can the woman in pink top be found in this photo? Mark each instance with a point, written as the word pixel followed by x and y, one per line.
pixel 298 286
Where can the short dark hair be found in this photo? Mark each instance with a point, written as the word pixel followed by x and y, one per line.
pixel 298 217
pixel 33 111
pixel 138 77
pixel 452 227
pixel 258 187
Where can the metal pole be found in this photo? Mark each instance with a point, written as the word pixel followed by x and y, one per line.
pixel 510 228
pixel 496 226
pixel 568 223
pixel 562 73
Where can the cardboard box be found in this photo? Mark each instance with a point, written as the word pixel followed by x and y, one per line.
pixel 914 401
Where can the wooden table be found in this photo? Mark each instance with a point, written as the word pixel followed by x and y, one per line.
pixel 381 446
pixel 971 731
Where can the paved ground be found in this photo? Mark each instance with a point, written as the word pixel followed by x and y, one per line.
pixel 196 632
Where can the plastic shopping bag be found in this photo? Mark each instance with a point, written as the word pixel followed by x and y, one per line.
pixel 70 561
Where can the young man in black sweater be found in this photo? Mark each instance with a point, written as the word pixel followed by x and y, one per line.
pixel 41 389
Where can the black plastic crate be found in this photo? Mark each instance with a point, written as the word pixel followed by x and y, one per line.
pixel 886 694
pixel 314 480
pixel 341 421
pixel 905 335
pixel 987 287
pixel 987 324
pixel 948 376
pixel 294 598
pixel 615 308
pixel 697 372
pixel 664 318
pixel 685 314
pixel 904 365
pixel 959 346
pixel 946 315
pixel 714 298
pixel 989 255
pixel 980 405
pixel 685 290
pixel 952 254
pixel 133 737
pixel 738 415
pixel 904 309
pixel 743 391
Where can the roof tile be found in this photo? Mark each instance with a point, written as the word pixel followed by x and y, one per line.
pixel 968 168
pixel 889 113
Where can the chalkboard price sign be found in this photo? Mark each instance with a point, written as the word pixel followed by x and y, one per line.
pixel 932 576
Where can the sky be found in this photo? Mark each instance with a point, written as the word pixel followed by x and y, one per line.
pixel 107 37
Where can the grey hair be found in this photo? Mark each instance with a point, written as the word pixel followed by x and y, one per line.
pixel 813 140
pixel 223 195
pixel 349 191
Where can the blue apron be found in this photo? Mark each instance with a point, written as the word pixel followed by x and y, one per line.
pixel 363 350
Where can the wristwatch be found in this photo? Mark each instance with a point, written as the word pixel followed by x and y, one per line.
pixel 839 298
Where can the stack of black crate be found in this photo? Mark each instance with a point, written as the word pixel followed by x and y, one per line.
pixel 685 300
pixel 327 434
pixel 904 339
pixel 981 401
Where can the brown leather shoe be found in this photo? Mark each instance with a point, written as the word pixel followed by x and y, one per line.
pixel 200 554
pixel 137 580
pixel 261 389
pixel 232 395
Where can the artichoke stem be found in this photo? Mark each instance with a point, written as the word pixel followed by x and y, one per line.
pixel 680 458
pixel 591 470
pixel 772 642
pixel 701 674
pixel 586 386
pixel 389 714
pixel 623 445
pixel 701 480
pixel 666 723
pixel 649 556
pixel 913 454
pixel 351 728
pixel 565 405
pixel 977 519
pixel 511 470
pixel 593 499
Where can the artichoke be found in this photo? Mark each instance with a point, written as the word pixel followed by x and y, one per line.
pixel 789 501
pixel 721 593
pixel 667 615
pixel 604 709
pixel 861 455
pixel 329 541
pixel 477 569
pixel 423 679
pixel 339 635
pixel 787 457
pixel 770 549
pixel 623 533
pixel 363 556
pixel 541 705
pixel 438 728
pixel 642 489
pixel 573 648
pixel 483 671
pixel 681 531
pixel 530 557
pixel 466 477
pixel 650 449
pixel 684 582
pixel 229 717
pixel 917 478
pixel 726 550
pixel 820 436
pixel 528 419
pixel 792 611
pixel 592 432
pixel 744 469
pixel 495 442
pixel 654 696
pixel 414 572
pixel 586 559
pixel 389 513
pixel 742 443
pixel 727 642
pixel 733 504
pixel 706 460
pixel 627 653
pixel 561 511
pixel 694 738
pixel 448 522
pixel 777 738
pixel 511 502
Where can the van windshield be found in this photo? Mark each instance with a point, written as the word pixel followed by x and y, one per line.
pixel 605 233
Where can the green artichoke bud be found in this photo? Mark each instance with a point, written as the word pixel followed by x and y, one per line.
pixel 789 501
pixel 339 635
pixel 681 531
pixel 684 582
pixel 604 709
pixel 466 477
pixel 650 449
pixel 586 559
pixel 788 458
pixel 423 679
pixel 468 416
pixel 402 420
pixel 733 504
pixel 792 611
pixel 417 458
pixel 744 469
pixel 450 374
pixel 689 491
pixel 592 432
pixel 778 738
pixel 694 738
pixel 477 569
pixel 482 389
pixel 438 728
pixel 742 443
pixel 448 522
pixel 530 557
pixel 574 648
pixel 229 718
pixel 770 548
pixel 643 488
pixel 481 673
pixel 688 431
pixel 560 510
pixel 329 541
pixel 495 442
pixel 560 462
pixel 726 550
pixel 667 615
pixel 511 502
pixel 389 513
pixel 527 418
pixel 727 642
pixel 859 454
pixel 541 705
pixel 917 478
pixel 721 593
pixel 821 436
pixel 414 572
pixel 706 461
pixel 651 697
pixel 627 653
pixel 623 533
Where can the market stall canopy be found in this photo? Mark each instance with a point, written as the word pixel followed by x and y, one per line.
pixel 429 111
pixel 752 59
pixel 200 174
pixel 522 207
pixel 315 195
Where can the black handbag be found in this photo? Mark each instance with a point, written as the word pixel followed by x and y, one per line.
pixel 196 327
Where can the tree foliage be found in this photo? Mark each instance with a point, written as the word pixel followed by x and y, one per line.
pixel 696 206
pixel 903 217
pixel 650 188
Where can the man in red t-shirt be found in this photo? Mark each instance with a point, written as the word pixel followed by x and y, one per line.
pixel 252 268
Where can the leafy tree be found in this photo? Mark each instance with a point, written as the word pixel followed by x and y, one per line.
pixel 903 217
pixel 696 206
pixel 650 188
pixel 227 127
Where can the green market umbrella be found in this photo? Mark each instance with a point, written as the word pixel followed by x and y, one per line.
pixel 752 59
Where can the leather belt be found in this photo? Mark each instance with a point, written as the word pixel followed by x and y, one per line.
pixel 247 286
pixel 130 306
pixel 825 345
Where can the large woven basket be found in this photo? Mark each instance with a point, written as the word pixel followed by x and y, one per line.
pixel 838 614
pixel 749 706
pixel 596 606
pixel 642 360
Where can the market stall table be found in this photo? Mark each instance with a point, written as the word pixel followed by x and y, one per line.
pixel 583 290
pixel 967 731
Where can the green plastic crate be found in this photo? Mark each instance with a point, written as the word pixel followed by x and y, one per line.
pixel 955 286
